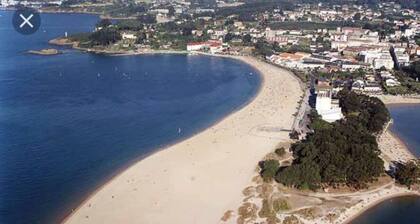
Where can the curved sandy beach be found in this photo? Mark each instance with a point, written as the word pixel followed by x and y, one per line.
pixel 390 99
pixel 198 179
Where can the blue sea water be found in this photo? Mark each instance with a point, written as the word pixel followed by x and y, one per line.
pixel 70 122
pixel 407 125
pixel 403 210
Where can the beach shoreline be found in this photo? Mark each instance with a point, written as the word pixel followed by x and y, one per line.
pixel 391 100
pixel 378 202
pixel 230 131
pixel 165 146
pixel 395 149
pixel 397 101
pixel 388 135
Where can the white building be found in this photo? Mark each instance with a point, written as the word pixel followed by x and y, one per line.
pixel 195 46
pixel 214 46
pixel 402 59
pixel 392 83
pixel 351 66
pixel 384 60
pixel 128 36
pixel 325 107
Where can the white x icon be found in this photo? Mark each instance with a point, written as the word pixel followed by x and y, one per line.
pixel 26 21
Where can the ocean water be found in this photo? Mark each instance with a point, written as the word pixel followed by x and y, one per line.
pixel 403 210
pixel 407 125
pixel 70 122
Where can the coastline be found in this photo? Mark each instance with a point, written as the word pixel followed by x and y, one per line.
pixel 396 101
pixel 391 146
pixel 118 172
pixel 376 203
pixel 217 151
pixel 395 149
pixel 399 100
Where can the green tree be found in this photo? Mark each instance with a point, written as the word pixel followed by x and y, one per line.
pixel 408 173
pixel 104 23
pixel 269 169
pixel 303 176
pixel 280 151
pixel 129 24
pixel 228 37
pixel 343 152
pixel 247 39
pixel 141 38
pixel 105 36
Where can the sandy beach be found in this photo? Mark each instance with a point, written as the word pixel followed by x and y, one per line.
pixel 390 99
pixel 199 179
pixel 330 207
pixel 393 149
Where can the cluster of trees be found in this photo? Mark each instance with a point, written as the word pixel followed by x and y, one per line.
pixel 414 69
pixel 105 36
pixel 408 173
pixel 343 152
pixel 129 24
pixel 408 77
pixel 252 7
pixel 269 169
pixel 103 23
pixel 341 75
pixel 368 112
pixel 265 48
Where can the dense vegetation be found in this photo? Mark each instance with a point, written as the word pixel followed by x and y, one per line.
pixel 105 36
pixel 408 173
pixel 413 70
pixel 343 152
pixel 252 7
pixel 269 169
pixel 409 77
pixel 102 37
pixel 368 112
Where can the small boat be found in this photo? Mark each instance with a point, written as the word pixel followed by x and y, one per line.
pixel 179 130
